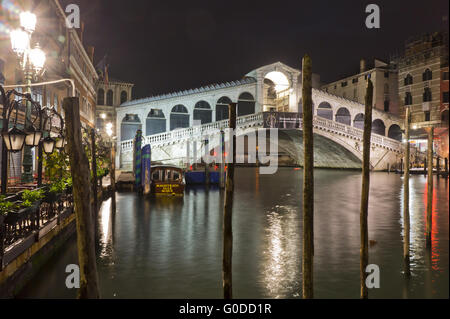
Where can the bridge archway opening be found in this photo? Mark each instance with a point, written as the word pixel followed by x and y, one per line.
pixel 222 105
pixel 378 127
pixel 324 110
pixel 277 89
pixel 395 132
pixel 358 122
pixel 179 117
pixel 203 112
pixel 343 116
pixel 129 126
pixel 246 104
pixel 156 122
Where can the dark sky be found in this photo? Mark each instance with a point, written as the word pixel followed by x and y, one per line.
pixel 165 46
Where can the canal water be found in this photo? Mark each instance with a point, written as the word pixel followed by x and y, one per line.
pixel 172 248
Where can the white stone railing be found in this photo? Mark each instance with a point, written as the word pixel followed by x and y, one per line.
pixel 340 128
pixel 191 132
pixel 257 120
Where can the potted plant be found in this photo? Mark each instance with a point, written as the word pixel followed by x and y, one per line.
pixel 6 207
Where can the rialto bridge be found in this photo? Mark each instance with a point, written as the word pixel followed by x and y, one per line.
pixel 170 121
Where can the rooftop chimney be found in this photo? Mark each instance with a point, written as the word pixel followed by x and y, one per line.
pixel 362 66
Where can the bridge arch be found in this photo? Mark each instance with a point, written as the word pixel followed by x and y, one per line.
pixel 202 112
pixel 378 127
pixel 222 108
pixel 325 110
pixel 130 124
pixel 179 117
pixel 300 108
pixel 395 132
pixel 246 104
pixel 343 116
pixel 155 122
pixel 358 121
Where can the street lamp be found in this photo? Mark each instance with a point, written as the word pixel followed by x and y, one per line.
pixel 14 139
pixel 48 145
pixel 31 61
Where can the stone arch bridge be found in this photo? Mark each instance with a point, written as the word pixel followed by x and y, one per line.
pixel 172 120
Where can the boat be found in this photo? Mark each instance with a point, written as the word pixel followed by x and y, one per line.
pixel 167 180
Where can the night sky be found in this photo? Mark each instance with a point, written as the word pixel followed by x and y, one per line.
pixel 165 46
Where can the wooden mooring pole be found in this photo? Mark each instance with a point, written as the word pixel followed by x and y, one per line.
pixel 406 233
pixel 364 245
pixel 430 186
pixel 113 177
pixel 79 167
pixel 228 211
pixel 308 181
pixel 222 163
pixel 94 172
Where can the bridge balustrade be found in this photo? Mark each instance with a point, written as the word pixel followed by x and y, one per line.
pixel 256 120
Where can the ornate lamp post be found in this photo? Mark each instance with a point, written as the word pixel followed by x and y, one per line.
pixel 31 61
pixel 14 138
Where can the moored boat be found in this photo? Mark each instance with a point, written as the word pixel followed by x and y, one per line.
pixel 167 180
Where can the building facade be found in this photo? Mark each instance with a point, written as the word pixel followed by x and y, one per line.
pixel 66 58
pixel 110 96
pixel 385 82
pixel 423 87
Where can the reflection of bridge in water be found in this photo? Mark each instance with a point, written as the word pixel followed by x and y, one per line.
pixel 337 145
pixel 168 122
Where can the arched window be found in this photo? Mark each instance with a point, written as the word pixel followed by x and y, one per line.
pixel 109 98
pixel 395 132
pixel 427 75
pixel 179 117
pixel 324 110
pixel 123 97
pixel 408 98
pixel 427 95
pixel 202 112
pixel 386 105
pixel 343 116
pixel 246 104
pixel 408 79
pixel 129 126
pixel 156 122
pixel 101 97
pixel 359 121
pixel 222 112
pixel 378 127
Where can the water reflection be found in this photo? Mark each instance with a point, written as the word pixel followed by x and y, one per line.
pixel 282 256
pixel 172 247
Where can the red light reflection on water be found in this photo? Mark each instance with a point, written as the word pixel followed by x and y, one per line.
pixel 435 255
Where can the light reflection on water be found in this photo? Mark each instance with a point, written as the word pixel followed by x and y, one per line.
pixel 172 247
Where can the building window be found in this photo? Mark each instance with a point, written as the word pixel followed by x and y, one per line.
pixel 101 97
pixel 408 79
pixel 343 84
pixel 427 75
pixel 386 106
pixel 386 88
pixel 408 98
pixel 386 74
pixel 445 97
pixel 109 98
pixel 123 97
pixel 355 80
pixel 445 76
pixel 427 95
pixel 427 116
